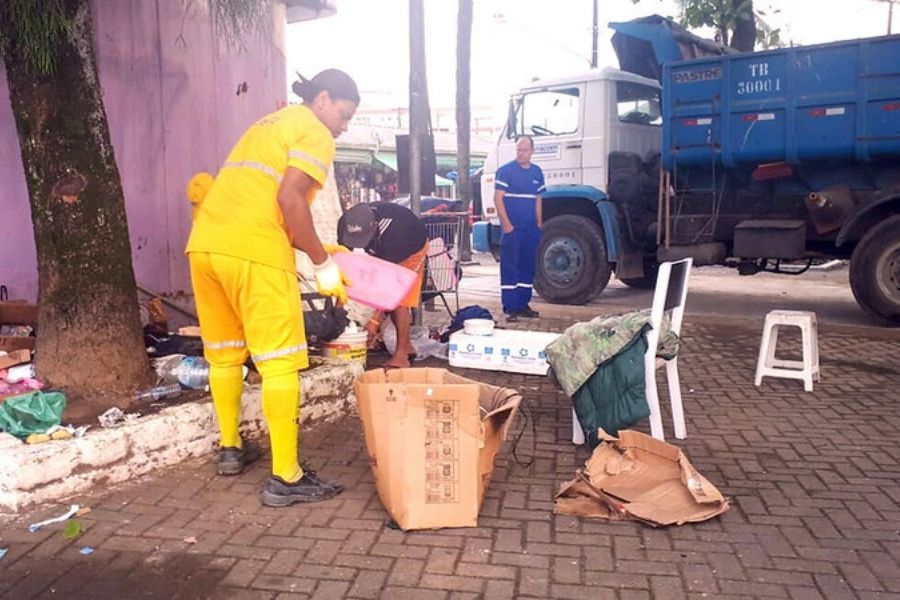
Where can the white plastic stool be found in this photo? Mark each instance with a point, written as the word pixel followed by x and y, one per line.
pixel 806 370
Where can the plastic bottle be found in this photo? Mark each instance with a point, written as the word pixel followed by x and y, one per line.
pixel 193 372
pixel 163 391
pixel 167 367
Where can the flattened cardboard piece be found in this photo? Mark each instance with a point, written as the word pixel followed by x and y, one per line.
pixel 14 357
pixel 432 438
pixel 639 477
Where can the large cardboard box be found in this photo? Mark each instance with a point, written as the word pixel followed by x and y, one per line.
pixel 432 437
pixel 508 350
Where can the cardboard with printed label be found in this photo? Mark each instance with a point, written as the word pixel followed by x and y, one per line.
pixel 508 350
pixel 432 437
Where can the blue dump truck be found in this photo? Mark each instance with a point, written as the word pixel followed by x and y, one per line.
pixel 765 161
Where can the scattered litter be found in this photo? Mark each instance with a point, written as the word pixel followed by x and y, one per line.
pixel 115 417
pixel 639 478
pixel 16 330
pixel 34 412
pixel 22 387
pixel 190 540
pixel 86 550
pixel 69 514
pixel 15 357
pixel 20 373
pixel 57 432
pixel 159 392
pixel 73 529
pixel 3 552
pixel 73 431
pixel 421 339
pixel 83 511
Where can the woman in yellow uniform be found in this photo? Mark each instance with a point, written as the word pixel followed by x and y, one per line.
pixel 241 252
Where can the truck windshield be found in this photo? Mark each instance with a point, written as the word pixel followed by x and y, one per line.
pixel 548 112
pixel 636 103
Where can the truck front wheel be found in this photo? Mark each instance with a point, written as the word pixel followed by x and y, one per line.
pixel 572 267
pixel 875 271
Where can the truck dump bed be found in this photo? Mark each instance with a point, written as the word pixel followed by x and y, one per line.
pixel 830 102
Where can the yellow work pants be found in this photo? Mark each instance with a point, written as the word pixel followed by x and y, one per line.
pixel 247 308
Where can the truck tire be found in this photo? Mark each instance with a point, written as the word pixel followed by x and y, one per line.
pixel 572 267
pixel 875 271
pixel 645 282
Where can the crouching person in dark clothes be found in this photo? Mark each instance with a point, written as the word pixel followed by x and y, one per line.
pixel 392 233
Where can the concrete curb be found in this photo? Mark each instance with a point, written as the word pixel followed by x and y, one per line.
pixel 56 470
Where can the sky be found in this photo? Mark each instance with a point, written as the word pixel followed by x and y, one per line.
pixel 516 41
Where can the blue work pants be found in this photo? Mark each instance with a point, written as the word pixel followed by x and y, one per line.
pixel 518 256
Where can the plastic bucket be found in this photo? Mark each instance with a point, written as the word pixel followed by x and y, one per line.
pixel 350 345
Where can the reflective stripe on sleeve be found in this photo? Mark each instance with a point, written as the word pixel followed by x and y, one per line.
pixel 252 164
pixel 308 158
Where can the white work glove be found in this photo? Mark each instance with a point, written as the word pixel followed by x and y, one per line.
pixel 330 281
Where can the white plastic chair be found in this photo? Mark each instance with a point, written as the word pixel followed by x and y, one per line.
pixel 669 297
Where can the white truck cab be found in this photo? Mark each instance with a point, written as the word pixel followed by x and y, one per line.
pixel 591 130
pixel 576 122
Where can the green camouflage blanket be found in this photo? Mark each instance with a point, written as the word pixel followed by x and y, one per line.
pixel 578 352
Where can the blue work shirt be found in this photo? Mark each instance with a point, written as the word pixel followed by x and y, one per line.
pixel 522 186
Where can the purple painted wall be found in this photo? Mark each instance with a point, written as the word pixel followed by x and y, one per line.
pixel 171 96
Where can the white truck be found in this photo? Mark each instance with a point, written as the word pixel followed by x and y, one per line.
pixel 593 131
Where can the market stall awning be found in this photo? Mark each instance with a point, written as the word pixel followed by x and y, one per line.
pixel 353 156
pixel 388 159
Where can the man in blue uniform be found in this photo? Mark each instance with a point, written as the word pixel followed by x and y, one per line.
pixel 517 197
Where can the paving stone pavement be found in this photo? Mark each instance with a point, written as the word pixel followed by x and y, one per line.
pixel 814 479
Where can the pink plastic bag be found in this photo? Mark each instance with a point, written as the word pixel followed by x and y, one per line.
pixel 375 282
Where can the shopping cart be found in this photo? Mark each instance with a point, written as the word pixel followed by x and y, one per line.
pixel 442 269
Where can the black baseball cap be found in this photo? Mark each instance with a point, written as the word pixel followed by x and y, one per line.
pixel 357 226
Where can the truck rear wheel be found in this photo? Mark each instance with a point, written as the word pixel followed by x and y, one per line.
pixel 875 271
pixel 647 281
pixel 572 267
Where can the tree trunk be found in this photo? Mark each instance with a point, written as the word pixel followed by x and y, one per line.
pixel 89 333
pixel 463 118
pixel 744 36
